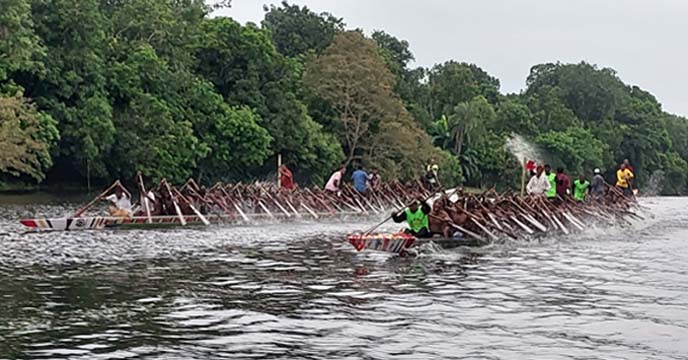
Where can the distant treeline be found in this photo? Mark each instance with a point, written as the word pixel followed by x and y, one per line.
pixel 100 89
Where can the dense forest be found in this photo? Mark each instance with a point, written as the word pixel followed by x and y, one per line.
pixel 93 90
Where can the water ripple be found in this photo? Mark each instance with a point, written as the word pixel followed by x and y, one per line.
pixel 299 291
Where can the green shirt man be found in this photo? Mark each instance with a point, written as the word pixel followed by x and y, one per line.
pixel 552 177
pixel 580 188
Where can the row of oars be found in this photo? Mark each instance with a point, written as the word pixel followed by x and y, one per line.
pixel 490 216
pixel 252 200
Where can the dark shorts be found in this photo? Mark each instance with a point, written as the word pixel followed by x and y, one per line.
pixel 627 191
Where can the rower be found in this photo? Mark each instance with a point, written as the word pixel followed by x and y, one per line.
pixel 440 220
pixel 286 178
pixel 416 216
pixel 120 203
pixel 581 188
pixel 335 180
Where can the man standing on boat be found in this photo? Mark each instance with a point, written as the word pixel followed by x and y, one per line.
pixel 538 184
pixel 286 178
pixel 598 185
pixel 335 180
pixel 563 184
pixel 432 177
pixel 623 179
pixel 552 192
pixel 631 182
pixel 580 188
pixel 360 179
pixel 416 216
pixel 120 203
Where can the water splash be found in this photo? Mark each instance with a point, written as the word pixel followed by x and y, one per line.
pixel 522 149
pixel 654 185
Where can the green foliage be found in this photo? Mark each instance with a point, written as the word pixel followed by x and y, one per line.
pixel 72 87
pixel 298 30
pixel 514 117
pixel 675 170
pixel 252 73
pixel 26 137
pixel 452 83
pixel 160 86
pixel 576 147
pixel 20 47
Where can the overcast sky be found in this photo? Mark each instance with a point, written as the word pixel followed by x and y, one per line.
pixel 644 40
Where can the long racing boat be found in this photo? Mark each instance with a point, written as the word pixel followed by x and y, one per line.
pixel 143 222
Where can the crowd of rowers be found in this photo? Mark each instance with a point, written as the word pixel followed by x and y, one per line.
pixel 425 221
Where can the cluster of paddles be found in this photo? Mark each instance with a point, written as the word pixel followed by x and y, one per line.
pixel 244 201
pixel 482 219
pixel 169 205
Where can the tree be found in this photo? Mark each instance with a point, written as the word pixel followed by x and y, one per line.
pixel 298 30
pixel 72 87
pixel 514 117
pixel 576 149
pixel 26 137
pixel 592 94
pixel 19 45
pixel 452 83
pixel 236 142
pixel 247 70
pixel 395 52
pixel 353 78
pixel 468 122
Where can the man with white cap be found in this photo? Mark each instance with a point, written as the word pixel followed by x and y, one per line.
pixel 598 185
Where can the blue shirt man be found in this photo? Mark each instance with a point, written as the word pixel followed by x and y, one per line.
pixel 360 179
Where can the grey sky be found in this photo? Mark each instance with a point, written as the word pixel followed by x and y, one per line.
pixel 642 39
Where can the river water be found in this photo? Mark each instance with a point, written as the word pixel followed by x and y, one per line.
pixel 299 291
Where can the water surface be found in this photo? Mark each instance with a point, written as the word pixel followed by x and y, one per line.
pixel 299 291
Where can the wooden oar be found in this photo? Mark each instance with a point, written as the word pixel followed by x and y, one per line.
pixel 468 232
pixel 238 209
pixel 87 206
pixel 144 197
pixel 198 213
pixel 182 220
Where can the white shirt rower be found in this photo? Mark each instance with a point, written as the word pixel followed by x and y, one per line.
pixel 335 180
pixel 538 184
pixel 120 202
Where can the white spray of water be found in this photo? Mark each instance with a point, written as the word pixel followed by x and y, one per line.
pixel 522 149
pixel 654 185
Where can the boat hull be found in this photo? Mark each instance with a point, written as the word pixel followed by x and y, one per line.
pixel 399 242
pixel 105 222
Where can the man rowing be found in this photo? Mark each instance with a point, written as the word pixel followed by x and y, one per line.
pixel 360 179
pixel 624 176
pixel 416 216
pixel 335 180
pixel 120 203
pixel 598 185
pixel 440 221
pixel 581 187
pixel 552 192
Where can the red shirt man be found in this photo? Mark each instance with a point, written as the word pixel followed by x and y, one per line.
pixel 286 178
pixel 563 183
